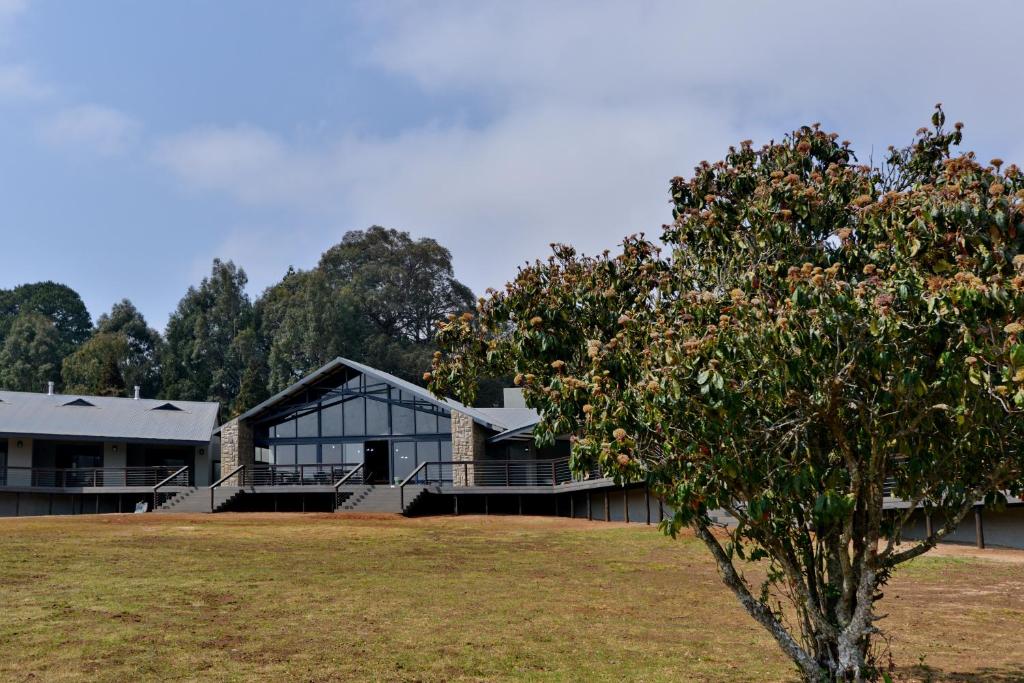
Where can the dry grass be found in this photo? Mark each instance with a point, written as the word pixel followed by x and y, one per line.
pixel 322 597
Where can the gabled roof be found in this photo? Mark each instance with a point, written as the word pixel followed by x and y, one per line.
pixel 105 417
pixel 484 416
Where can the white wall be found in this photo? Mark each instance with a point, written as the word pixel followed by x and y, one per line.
pixel 202 469
pixel 115 454
pixel 19 457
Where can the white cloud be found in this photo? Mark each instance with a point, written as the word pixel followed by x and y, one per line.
pixel 592 107
pixel 91 127
pixel 17 82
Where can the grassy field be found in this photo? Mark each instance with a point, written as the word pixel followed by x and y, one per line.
pixel 323 598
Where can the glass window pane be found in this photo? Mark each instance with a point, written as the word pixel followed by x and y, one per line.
pixel 426 423
pixel 446 451
pixel 332 454
pixel 444 425
pixel 353 453
pixel 284 455
pixel 285 430
pixel 427 451
pixel 403 420
pixel 376 417
pixel 307 454
pixel 354 418
pixel 403 459
pixel 307 425
pixel 330 420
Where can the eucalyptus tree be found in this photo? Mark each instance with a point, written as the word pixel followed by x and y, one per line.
pixel 812 339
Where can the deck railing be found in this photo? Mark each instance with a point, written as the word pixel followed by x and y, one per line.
pixel 86 477
pixel 296 475
pixel 494 473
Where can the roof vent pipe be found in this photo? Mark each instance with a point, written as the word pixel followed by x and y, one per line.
pixel 49 388
pixel 137 397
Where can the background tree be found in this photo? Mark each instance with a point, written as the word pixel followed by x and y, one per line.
pixel 61 304
pixel 819 334
pixel 31 353
pixel 204 359
pixel 123 353
pixel 372 298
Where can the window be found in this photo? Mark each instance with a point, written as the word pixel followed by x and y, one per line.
pixel 426 423
pixel 444 425
pixel 404 459
pixel 331 420
pixel 403 420
pixel 353 453
pixel 446 451
pixel 332 454
pixel 427 451
pixel 284 455
pixel 376 417
pixel 306 426
pixel 355 413
pixel 285 430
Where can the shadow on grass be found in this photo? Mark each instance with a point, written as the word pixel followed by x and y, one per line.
pixel 930 674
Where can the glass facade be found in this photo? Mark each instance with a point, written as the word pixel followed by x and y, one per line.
pixel 335 428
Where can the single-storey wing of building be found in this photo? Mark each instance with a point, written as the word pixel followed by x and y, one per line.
pixel 56 448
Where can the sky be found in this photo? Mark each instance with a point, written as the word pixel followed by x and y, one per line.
pixel 140 140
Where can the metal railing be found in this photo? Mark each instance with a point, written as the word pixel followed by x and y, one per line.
pixel 178 478
pixel 82 477
pixel 494 473
pixel 358 475
pixel 223 479
pixel 296 475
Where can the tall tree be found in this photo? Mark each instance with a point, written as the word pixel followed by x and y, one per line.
pixel 203 360
pixel 820 335
pixel 404 285
pixel 31 353
pixel 373 298
pixel 61 304
pixel 124 352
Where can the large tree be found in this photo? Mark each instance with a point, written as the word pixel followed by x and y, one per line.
pixel 816 336
pixel 205 354
pixel 404 285
pixel 122 353
pixel 61 304
pixel 372 298
pixel 31 353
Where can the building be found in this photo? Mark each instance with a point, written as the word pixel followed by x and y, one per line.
pixel 349 436
pixel 72 453
pixel 345 437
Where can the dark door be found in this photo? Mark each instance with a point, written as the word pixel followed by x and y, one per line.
pixel 376 463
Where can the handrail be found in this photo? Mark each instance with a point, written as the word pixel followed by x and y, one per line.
pixel 79 477
pixel 401 487
pixel 222 480
pixel 349 475
pixel 157 488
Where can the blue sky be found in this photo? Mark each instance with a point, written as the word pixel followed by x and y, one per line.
pixel 143 139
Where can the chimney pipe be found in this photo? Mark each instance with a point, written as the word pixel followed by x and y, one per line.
pixel 137 392
pixel 49 388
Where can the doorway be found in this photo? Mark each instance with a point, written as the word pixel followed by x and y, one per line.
pixel 376 462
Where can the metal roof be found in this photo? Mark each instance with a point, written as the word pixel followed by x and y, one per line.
pixel 492 418
pixel 105 417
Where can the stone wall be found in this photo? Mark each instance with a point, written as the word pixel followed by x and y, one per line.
pixel 236 448
pixel 468 443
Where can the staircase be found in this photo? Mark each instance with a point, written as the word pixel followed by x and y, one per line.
pixel 372 498
pixel 198 500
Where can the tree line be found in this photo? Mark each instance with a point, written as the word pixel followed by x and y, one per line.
pixel 374 297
